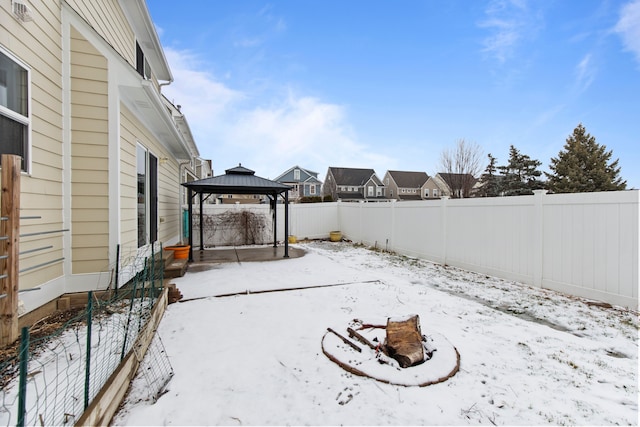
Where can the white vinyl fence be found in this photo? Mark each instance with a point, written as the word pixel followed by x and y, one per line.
pixel 584 244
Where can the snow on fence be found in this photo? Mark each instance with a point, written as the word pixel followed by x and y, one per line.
pixel 584 244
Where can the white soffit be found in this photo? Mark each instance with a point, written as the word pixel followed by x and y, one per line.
pixel 138 15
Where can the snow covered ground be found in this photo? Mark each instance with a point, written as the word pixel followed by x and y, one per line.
pixel 527 356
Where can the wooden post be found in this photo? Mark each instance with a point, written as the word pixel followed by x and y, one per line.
pixel 10 209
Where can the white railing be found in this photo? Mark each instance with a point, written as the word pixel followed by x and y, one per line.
pixel 583 244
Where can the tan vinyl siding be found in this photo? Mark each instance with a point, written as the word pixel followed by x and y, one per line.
pixel 89 157
pixel 128 182
pixel 132 132
pixel 108 19
pixel 168 201
pixel 38 45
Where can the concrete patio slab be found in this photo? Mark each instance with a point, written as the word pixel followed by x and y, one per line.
pixel 241 254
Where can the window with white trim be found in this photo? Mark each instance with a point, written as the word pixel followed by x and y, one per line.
pixel 147 171
pixel 370 191
pixel 15 119
pixel 435 192
pixel 296 174
pixel 312 189
pixel 142 65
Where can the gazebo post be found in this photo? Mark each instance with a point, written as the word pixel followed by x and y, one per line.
pixel 201 222
pixel 190 222
pixel 275 220
pixel 286 224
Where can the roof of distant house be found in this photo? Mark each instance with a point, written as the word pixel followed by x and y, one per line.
pixel 408 179
pixel 353 176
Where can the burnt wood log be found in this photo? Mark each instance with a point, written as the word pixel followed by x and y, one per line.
pixel 404 341
pixel 363 340
pixel 345 340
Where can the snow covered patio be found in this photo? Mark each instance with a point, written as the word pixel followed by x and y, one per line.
pixel 527 356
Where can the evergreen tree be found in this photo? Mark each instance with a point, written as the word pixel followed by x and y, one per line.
pixel 521 175
pixel 583 166
pixel 490 180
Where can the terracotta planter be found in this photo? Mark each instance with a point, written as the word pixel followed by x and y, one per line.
pixel 335 236
pixel 179 251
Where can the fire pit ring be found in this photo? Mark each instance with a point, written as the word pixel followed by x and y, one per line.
pixel 359 359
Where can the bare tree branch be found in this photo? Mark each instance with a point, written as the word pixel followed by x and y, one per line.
pixel 461 165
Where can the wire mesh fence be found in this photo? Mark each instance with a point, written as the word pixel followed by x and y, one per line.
pixel 61 363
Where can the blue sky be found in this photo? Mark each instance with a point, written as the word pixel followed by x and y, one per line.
pixel 390 85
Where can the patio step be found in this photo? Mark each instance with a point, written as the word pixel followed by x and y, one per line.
pixel 173 267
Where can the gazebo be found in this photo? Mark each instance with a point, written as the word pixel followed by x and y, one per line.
pixel 238 180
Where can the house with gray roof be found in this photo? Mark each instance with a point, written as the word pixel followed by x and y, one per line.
pixel 352 184
pixel 405 185
pixel 303 183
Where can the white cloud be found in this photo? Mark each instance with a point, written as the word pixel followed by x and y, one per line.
pixel 628 27
pixel 508 22
pixel 270 135
pixel 585 73
pixel 196 90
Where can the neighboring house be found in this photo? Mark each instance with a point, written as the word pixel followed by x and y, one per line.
pixel 305 183
pixel 103 151
pixel 456 185
pixel 350 184
pixel 434 189
pixel 404 185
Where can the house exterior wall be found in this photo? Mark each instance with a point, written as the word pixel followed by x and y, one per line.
pixel 429 186
pixel 303 185
pixel 81 180
pixel 132 133
pixel 391 186
pixel 89 157
pixel 36 46
pixel 108 19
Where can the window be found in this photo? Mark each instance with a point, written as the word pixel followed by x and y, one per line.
pixel 142 65
pixel 296 174
pixel 14 108
pixel 435 192
pixel 312 189
pixel 147 168
pixel 370 191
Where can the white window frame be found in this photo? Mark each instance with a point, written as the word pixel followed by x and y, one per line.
pixel 370 191
pixel 296 174
pixel 18 117
pixel 312 189
pixel 435 192
pixel 150 211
